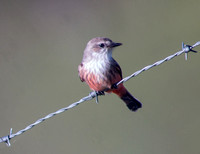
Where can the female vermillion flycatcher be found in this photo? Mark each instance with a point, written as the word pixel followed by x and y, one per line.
pixel 101 72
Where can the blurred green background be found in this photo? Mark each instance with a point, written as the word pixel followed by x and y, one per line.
pixel 41 46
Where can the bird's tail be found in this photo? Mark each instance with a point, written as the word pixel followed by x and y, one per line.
pixel 132 103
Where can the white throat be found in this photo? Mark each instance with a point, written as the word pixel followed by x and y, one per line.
pixel 99 62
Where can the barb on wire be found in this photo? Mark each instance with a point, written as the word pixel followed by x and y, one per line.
pixel 185 49
pixel 7 138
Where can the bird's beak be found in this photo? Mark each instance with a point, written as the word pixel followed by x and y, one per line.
pixel 115 44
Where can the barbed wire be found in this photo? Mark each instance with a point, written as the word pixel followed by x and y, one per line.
pixel 185 49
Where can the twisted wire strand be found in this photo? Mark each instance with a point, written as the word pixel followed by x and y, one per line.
pixel 7 138
pixel 185 49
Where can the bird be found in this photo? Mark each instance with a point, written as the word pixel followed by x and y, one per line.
pixel 102 73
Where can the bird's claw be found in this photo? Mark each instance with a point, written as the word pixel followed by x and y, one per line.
pixel 114 86
pixel 100 93
pixel 96 94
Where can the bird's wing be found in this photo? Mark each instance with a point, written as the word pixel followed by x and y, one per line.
pixel 80 72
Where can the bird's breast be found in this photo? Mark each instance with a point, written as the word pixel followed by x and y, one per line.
pixel 100 75
pixel 96 66
pixel 95 74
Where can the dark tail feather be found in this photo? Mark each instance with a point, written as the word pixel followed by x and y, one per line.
pixel 132 103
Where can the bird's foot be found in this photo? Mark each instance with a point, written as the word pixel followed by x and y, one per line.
pixel 100 93
pixel 97 93
pixel 114 86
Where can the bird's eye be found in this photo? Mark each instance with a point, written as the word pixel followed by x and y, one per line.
pixel 101 45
